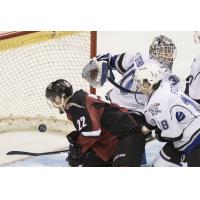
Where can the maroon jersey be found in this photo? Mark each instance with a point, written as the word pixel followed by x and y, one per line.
pixel 100 124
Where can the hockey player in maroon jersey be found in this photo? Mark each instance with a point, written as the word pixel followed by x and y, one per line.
pixel 104 132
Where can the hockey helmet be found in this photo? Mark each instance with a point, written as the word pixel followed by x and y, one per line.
pixel 149 73
pixel 57 92
pixel 60 88
pixel 163 50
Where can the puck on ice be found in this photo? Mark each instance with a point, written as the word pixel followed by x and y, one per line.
pixel 42 127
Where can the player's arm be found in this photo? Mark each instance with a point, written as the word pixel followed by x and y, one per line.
pixel 147 128
pixel 194 80
pixel 120 62
pixel 187 84
pixel 87 132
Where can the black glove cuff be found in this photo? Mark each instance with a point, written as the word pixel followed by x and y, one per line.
pixel 150 127
pixel 72 137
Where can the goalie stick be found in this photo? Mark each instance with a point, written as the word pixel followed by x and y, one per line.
pixel 35 154
pixel 122 88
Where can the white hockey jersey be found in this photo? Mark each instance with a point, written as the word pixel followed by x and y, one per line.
pixel 126 65
pixel 176 115
pixel 194 79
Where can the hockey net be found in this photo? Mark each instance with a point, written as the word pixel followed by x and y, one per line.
pixel 29 61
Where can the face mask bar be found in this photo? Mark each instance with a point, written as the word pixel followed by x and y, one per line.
pixel 164 53
pixel 53 105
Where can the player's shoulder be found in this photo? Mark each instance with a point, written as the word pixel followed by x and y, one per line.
pixel 162 94
pixel 144 55
pixel 196 62
pixel 161 100
pixel 78 97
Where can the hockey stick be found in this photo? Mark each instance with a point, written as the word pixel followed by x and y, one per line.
pixel 35 154
pixel 150 139
pixel 121 88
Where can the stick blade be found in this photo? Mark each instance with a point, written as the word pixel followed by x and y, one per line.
pixel 21 153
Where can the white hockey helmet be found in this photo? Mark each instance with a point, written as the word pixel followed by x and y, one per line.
pixel 163 50
pixel 149 73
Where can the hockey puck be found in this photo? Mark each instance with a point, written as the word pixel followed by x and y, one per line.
pixel 42 127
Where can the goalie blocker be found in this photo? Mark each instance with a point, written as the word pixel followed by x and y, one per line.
pixel 103 130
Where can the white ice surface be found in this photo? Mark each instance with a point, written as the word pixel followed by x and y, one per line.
pixel 29 141
pixel 58 160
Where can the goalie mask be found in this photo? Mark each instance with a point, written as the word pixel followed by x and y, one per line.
pixel 57 94
pixel 163 50
pixel 147 76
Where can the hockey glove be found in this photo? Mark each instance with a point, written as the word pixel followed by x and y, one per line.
pixel 95 72
pixel 72 137
pixel 75 157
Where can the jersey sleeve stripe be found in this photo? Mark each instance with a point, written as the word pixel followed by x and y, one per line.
pixel 119 65
pixel 196 75
pixel 91 133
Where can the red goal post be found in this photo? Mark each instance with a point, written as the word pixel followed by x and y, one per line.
pixel 29 61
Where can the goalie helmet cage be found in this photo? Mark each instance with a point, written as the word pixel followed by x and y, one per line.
pixel 29 61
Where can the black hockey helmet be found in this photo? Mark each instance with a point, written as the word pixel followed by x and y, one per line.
pixel 60 87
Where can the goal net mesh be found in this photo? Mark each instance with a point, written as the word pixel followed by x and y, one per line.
pixel 28 63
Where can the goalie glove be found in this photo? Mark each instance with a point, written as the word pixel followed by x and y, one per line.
pixel 95 72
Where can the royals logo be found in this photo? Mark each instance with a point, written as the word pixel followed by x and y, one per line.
pixel 153 109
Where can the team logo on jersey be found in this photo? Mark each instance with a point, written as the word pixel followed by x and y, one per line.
pixel 180 116
pixel 139 62
pixel 153 109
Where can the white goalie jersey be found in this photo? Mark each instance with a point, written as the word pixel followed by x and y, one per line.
pixel 194 79
pixel 126 65
pixel 175 114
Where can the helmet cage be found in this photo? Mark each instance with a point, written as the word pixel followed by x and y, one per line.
pixel 51 102
pixel 163 50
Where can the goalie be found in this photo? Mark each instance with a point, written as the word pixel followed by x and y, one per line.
pixel 103 131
